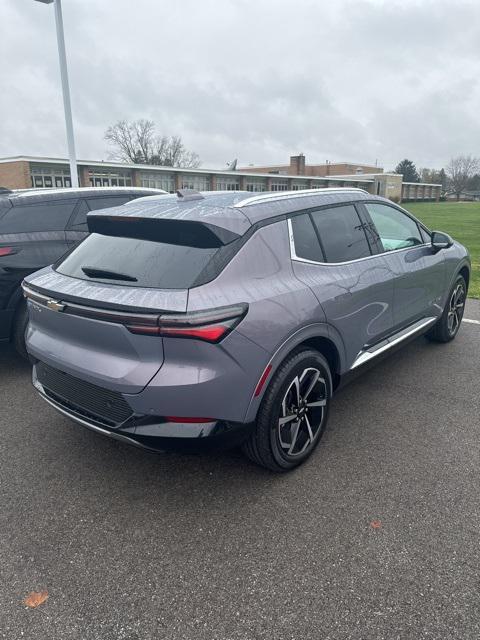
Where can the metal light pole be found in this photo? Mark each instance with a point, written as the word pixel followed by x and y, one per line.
pixel 65 89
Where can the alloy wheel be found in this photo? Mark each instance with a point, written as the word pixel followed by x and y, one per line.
pixel 455 309
pixel 302 412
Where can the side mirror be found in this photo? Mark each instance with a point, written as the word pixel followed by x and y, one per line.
pixel 441 240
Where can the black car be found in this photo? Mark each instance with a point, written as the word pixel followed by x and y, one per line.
pixel 36 228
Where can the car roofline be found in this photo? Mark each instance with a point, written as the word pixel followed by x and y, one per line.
pixel 26 193
pixel 271 197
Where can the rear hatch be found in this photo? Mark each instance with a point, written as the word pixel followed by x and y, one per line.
pixel 96 314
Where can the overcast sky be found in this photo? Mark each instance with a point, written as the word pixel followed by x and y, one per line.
pixel 256 80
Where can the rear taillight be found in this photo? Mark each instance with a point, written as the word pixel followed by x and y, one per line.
pixel 211 325
pixel 7 251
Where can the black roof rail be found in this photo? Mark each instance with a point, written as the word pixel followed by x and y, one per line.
pixel 5 190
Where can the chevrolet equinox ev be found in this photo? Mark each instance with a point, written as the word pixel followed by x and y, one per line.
pixel 215 319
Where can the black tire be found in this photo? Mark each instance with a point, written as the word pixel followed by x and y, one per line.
pixel 446 328
pixel 279 447
pixel 20 323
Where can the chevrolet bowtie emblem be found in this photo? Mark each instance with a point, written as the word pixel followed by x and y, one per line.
pixel 54 305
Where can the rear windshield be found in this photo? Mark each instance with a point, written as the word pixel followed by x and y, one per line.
pixel 138 262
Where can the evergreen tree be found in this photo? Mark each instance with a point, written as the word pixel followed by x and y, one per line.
pixel 408 170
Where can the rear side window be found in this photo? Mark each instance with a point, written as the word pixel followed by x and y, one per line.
pixel 137 262
pixel 341 233
pixel 47 216
pixel 108 201
pixel 80 219
pixel 395 228
pixel 305 239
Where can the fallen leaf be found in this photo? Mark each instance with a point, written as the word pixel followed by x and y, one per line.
pixel 35 599
pixel 376 524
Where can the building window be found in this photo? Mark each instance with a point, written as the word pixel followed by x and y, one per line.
pixel 227 183
pixel 279 185
pixel 165 181
pixel 106 178
pixel 48 177
pixel 298 185
pixel 196 182
pixel 253 184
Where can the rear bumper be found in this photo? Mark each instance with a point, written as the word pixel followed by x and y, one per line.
pixel 154 433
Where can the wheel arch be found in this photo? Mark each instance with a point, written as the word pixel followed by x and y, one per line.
pixel 465 273
pixel 14 303
pixel 319 337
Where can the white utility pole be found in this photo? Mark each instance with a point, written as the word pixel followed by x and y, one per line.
pixel 62 57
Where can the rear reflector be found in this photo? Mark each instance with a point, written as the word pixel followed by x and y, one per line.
pixel 262 380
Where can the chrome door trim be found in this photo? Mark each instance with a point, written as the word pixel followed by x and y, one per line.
pixel 367 354
pixel 294 256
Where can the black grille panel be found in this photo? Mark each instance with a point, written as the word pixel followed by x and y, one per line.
pixel 102 405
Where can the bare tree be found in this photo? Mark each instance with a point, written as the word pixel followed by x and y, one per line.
pixel 137 142
pixel 459 171
pixel 171 152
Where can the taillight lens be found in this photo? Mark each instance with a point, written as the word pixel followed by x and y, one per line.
pixel 211 325
pixel 7 251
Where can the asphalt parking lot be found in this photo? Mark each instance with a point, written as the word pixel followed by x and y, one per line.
pixel 135 546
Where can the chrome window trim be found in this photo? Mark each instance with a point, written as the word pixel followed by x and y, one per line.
pixel 294 256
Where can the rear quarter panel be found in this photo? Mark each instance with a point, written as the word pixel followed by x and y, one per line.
pixel 280 306
pixel 261 274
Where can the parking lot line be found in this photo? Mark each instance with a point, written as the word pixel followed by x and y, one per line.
pixel 471 321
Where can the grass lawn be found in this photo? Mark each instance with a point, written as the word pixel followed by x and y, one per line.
pixel 461 220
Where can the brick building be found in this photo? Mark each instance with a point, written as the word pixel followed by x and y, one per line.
pixel 24 172
pixel 298 167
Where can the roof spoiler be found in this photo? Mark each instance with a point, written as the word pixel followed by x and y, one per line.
pixel 190 233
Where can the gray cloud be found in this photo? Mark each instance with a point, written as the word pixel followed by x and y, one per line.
pixel 254 79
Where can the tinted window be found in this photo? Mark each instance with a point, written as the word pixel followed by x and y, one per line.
pixel 305 239
pixel 341 233
pixel 146 263
pixel 395 228
pixel 48 216
pixel 80 219
pixel 109 201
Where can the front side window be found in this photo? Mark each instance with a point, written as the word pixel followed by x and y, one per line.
pixel 425 236
pixel 341 233
pixel 395 228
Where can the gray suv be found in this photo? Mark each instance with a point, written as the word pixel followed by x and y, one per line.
pixel 225 318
